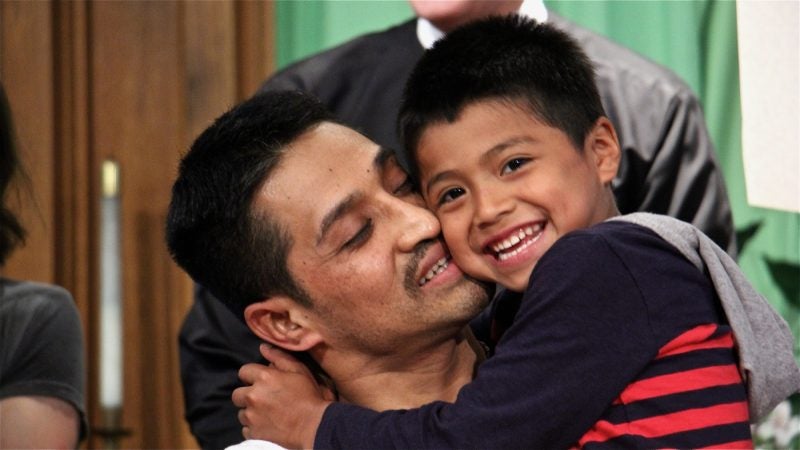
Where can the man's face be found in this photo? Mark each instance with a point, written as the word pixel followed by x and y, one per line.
pixel 365 249
pixel 505 187
pixel 449 14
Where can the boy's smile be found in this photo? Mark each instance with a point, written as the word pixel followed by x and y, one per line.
pixel 518 240
pixel 505 186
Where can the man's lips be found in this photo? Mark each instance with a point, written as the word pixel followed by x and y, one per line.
pixel 437 268
pixel 436 260
pixel 514 241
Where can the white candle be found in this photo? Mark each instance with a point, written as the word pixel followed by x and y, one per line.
pixel 110 290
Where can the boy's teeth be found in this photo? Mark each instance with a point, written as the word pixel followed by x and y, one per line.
pixel 435 270
pixel 515 239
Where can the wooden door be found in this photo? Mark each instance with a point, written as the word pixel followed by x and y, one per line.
pixel 134 81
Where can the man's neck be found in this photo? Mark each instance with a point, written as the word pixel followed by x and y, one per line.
pixel 435 374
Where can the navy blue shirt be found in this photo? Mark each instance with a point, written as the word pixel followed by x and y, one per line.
pixel 610 312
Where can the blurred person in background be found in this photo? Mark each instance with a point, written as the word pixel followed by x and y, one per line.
pixel 42 374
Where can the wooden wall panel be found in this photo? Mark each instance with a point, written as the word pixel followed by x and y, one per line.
pixel 74 209
pixel 134 81
pixel 27 74
pixel 210 62
pixel 137 121
pixel 255 45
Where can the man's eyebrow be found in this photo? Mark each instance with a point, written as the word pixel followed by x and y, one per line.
pixel 483 158
pixel 336 213
pixel 381 158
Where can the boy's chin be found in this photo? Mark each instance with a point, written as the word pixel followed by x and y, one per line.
pixel 516 284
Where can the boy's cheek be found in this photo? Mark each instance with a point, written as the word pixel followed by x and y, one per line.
pixel 469 261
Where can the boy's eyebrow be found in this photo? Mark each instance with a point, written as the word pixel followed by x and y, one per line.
pixel 340 209
pixel 493 151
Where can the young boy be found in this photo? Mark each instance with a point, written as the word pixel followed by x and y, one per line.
pixel 619 340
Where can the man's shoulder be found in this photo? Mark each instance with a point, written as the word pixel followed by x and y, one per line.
pixel 615 63
pixel 348 58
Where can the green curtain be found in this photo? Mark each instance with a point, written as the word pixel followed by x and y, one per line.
pixel 305 27
pixel 697 39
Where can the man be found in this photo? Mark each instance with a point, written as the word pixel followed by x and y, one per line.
pixel 669 169
pixel 311 233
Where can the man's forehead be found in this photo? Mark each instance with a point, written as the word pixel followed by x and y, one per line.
pixel 320 170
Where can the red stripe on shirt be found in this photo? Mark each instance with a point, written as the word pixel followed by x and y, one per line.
pixel 654 427
pixel 696 339
pixel 743 445
pixel 689 380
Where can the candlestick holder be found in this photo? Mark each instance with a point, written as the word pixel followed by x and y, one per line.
pixel 111 431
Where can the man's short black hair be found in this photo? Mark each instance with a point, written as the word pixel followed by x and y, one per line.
pixel 508 58
pixel 212 230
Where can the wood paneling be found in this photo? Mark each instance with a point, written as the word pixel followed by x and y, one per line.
pixel 135 81
pixel 27 74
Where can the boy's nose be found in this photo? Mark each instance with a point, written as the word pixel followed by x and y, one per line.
pixel 490 206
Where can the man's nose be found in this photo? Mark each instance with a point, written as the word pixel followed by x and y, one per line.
pixel 415 224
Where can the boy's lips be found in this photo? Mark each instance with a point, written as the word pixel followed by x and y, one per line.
pixel 514 240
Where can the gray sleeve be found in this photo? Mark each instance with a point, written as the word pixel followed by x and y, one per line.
pixel 42 345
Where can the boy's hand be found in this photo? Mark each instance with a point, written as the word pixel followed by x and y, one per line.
pixel 282 402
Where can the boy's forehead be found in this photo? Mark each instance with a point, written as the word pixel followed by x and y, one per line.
pixel 488 108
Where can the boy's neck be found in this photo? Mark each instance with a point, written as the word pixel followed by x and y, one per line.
pixel 437 373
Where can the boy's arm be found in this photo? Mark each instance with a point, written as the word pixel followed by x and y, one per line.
pixel 580 336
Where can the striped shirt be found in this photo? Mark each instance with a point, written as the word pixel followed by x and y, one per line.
pixel 691 395
pixel 618 342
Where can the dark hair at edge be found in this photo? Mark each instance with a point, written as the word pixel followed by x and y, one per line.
pixel 12 233
pixel 212 232
pixel 507 58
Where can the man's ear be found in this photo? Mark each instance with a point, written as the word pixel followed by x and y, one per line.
pixel 602 145
pixel 283 322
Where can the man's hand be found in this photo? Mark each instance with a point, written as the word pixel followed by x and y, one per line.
pixel 282 402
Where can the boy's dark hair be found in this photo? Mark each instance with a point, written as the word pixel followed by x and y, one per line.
pixel 212 231
pixel 12 233
pixel 509 58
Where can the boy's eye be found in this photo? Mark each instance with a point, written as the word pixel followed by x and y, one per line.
pixel 513 165
pixel 360 237
pixel 450 195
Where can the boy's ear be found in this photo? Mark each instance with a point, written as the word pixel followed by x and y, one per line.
pixel 281 321
pixel 603 145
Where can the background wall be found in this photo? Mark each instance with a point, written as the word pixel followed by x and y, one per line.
pixel 135 81
pixel 696 39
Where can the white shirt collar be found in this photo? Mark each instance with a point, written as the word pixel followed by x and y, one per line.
pixel 427 33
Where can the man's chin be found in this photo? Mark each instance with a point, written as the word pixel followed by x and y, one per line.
pixel 475 295
pixel 485 288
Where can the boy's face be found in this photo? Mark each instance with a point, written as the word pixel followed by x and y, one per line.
pixel 505 187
